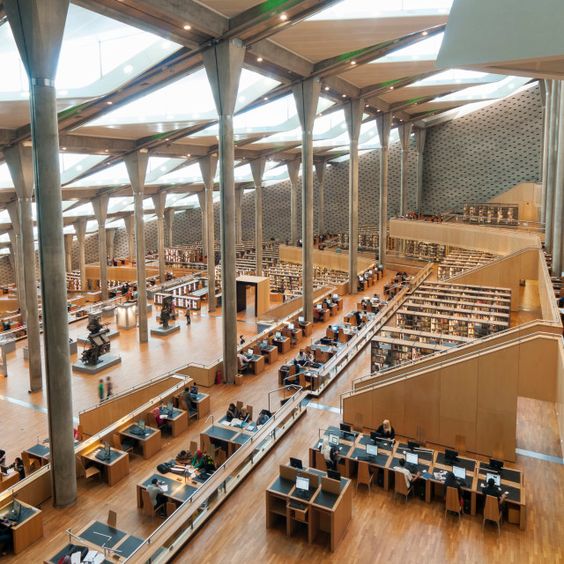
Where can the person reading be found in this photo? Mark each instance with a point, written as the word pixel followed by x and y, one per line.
pixel 385 430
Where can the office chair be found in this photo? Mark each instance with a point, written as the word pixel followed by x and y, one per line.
pixel 400 487
pixel 364 476
pixel 492 512
pixel 452 501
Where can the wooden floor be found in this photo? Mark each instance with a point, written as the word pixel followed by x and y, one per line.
pixel 380 530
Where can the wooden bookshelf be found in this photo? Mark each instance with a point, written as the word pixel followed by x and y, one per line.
pixel 491 214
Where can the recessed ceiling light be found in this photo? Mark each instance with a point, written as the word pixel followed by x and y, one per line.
pixel 128 69
pixel 265 98
pixel 63 148
pixel 188 155
pixel 283 17
pixel 106 150
pixel 109 103
pixel 259 59
pixel 391 87
pixel 326 88
pixel 187 27
pixel 425 33
pixel 343 95
pixel 353 62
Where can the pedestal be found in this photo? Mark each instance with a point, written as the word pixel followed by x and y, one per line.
pixel 161 332
pixel 126 315
pixel 105 362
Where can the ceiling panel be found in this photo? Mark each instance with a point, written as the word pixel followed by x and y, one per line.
pixel 410 92
pixel 366 75
pixel 230 7
pixel 132 131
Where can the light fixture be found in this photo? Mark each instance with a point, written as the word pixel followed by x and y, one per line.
pixel 425 33
pixel 391 87
pixel 106 150
pixel 353 62
pixel 189 155
pixel 326 88
pixel 63 148
pixel 187 27
pixel 109 102
pixel 259 59
pixel 343 95
pixel 265 98
pixel 283 17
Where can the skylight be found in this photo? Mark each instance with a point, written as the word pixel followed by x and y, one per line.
pixel 498 89
pixel 457 76
pixel 424 50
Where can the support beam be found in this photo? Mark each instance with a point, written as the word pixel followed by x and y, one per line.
pixel 223 63
pixel 546 89
pixel 558 216
pixel 169 226
pixel 136 164
pixel 80 230
pixel 100 205
pixel 293 173
pixel 257 170
pixel 306 95
pixel 208 167
pixel 239 215
pixel 69 239
pixel 37 26
pixel 17 248
pixel 353 117
pixel 130 229
pixel 320 168
pixel 420 135
pixel 384 124
pixel 159 202
pixel 552 160
pixel 19 161
pixel 405 136
pixel 203 213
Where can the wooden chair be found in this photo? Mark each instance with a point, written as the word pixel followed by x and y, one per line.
pixel 492 512
pixel 30 465
pixel 452 501
pixel 112 519
pixel 239 405
pixel 364 476
pixel 193 447
pixel 400 487
pixel 117 444
pixel 148 508
pixel 302 382
pixel 86 472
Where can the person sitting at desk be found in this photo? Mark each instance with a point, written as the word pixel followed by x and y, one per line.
pixel 329 454
pixel 410 478
pixel 161 422
pixel 491 489
pixel 386 430
pixel 263 417
pixel 242 361
pixel 6 539
pixel 198 460
pixel 451 481
pixel 244 415
pixel 302 358
pixel 358 317
pixel 232 412
pixel 361 283
pixel 158 499
pixel 188 399
pixel 184 457
pixel 18 466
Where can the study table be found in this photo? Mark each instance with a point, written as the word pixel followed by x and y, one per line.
pixel 257 362
pixel 306 327
pixel 38 452
pixel 8 480
pixel 327 506
pixel 178 421
pixel 174 487
pixel 114 469
pixel 200 400
pixel 29 527
pixel 270 352
pixel 226 436
pixel 283 343
pixel 149 441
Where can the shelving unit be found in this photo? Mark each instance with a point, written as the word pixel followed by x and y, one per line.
pixel 461 260
pixel 73 281
pixel 492 214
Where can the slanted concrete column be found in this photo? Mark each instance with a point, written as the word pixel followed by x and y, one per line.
pixel 404 135
pixel 552 162
pixel 110 243
pixel 238 215
pixel 80 230
pixel 320 168
pixel 257 169
pixel 384 124
pixel 306 94
pixel 17 249
pixel 69 238
pixel 204 213
pixel 136 164
pixel 129 221
pixel 223 63
pixel 159 201
pixel 420 135
pixel 293 173
pixel 169 225
pixel 353 116
pixel 37 26
pixel 100 205
pixel 558 216
pixel 20 164
pixel 546 89
pixel 208 167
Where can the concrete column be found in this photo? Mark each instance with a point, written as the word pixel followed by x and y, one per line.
pixel 80 230
pixel 353 116
pixel 551 163
pixel 159 201
pixel 546 99
pixel 100 205
pixel 239 215
pixel 257 169
pixel 404 135
pixel 16 241
pixel 293 173
pixel 136 164
pixel 223 63
pixel 130 230
pixel 384 124
pixel 110 243
pixel 203 211
pixel 420 135
pixel 320 168
pixel 20 164
pixel 558 216
pixel 37 26
pixel 169 225
pixel 69 238
pixel 208 167
pixel 306 94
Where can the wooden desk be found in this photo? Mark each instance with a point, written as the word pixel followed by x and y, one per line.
pixel 257 362
pixel 179 488
pixel 202 404
pixel 28 529
pixel 270 353
pixel 178 422
pixel 283 344
pixel 8 480
pixel 114 469
pixel 224 436
pixel 150 443
pixel 321 314
pixel 327 507
pixel 39 452
pixel 307 328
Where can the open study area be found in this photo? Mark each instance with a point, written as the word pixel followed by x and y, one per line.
pixel 281 280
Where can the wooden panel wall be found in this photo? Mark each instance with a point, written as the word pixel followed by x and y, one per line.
pixel 327 259
pixel 122 273
pixel 527 195
pixel 560 392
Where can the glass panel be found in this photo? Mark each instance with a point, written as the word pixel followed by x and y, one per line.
pixel 425 50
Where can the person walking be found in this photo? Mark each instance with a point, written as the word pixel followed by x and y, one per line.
pixel 187 315
pixel 109 387
pixel 101 390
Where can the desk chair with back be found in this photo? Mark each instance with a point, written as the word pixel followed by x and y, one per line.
pixel 86 472
pixel 400 487
pixel 492 512
pixel 124 445
pixel 364 476
pixel 452 501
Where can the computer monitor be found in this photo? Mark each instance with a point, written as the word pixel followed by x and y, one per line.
pixel 319 307
pixel 296 463
pixel 411 445
pixel 15 511
pixel 302 483
pixel 249 352
pixel 496 478
pixel 372 450
pixel 291 326
pixel 345 428
pixel 459 472
pixel 301 319
pixel 335 296
pixel 496 465
pixel 141 424
pixel 107 450
pixel 278 335
pixel 264 344
pixel 333 440
pixel 451 454
pixel 411 458
pixel 334 475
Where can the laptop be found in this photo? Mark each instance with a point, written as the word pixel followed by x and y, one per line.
pixel 371 451
pixel 302 487
pixel 296 463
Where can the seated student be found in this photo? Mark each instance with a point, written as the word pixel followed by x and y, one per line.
pixel 386 430
pixel 451 481
pixel 358 317
pixel 244 415
pixel 242 361
pixel 329 454
pixel 410 478
pixel 198 460
pixel 232 412
pixel 18 466
pixel 263 417
pixel 491 489
pixel 209 464
pixel 184 457
pixel 162 423
pixel 6 538
pixel 156 493
pixel 188 399
pixel 302 358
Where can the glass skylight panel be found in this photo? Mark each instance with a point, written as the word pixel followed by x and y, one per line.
pixel 119 203
pixel 5 176
pixel 74 164
pixel 188 201
pixel 457 76
pixel 184 175
pixel 498 89
pixel 5 251
pixel 115 175
pixel 4 238
pixel 115 223
pixel 4 216
pixel 278 115
pixel 84 210
pixel 252 86
pixel 159 167
pixel 69 229
pixel 424 50
pixel 365 9
pixel 97 55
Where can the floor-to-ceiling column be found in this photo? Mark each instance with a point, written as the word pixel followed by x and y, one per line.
pixel 306 94
pixel 353 116
pixel 420 135
pixel 159 202
pixel 37 26
pixel 320 168
pixel 169 225
pixel 80 230
pixel 100 205
pixel 384 124
pixel 208 167
pixel 16 241
pixel 558 216
pixel 223 63
pixel 239 215
pixel 20 164
pixel 293 174
pixel 129 221
pixel 552 160
pixel 546 98
pixel 204 214
pixel 111 243
pixel 69 239
pixel 404 136
pixel 257 169
pixel 136 164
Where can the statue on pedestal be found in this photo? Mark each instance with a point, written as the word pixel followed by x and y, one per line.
pixel 99 341
pixel 166 311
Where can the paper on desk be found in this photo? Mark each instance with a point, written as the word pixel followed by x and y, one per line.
pixel 93 557
pixel 164 488
pixel 75 558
